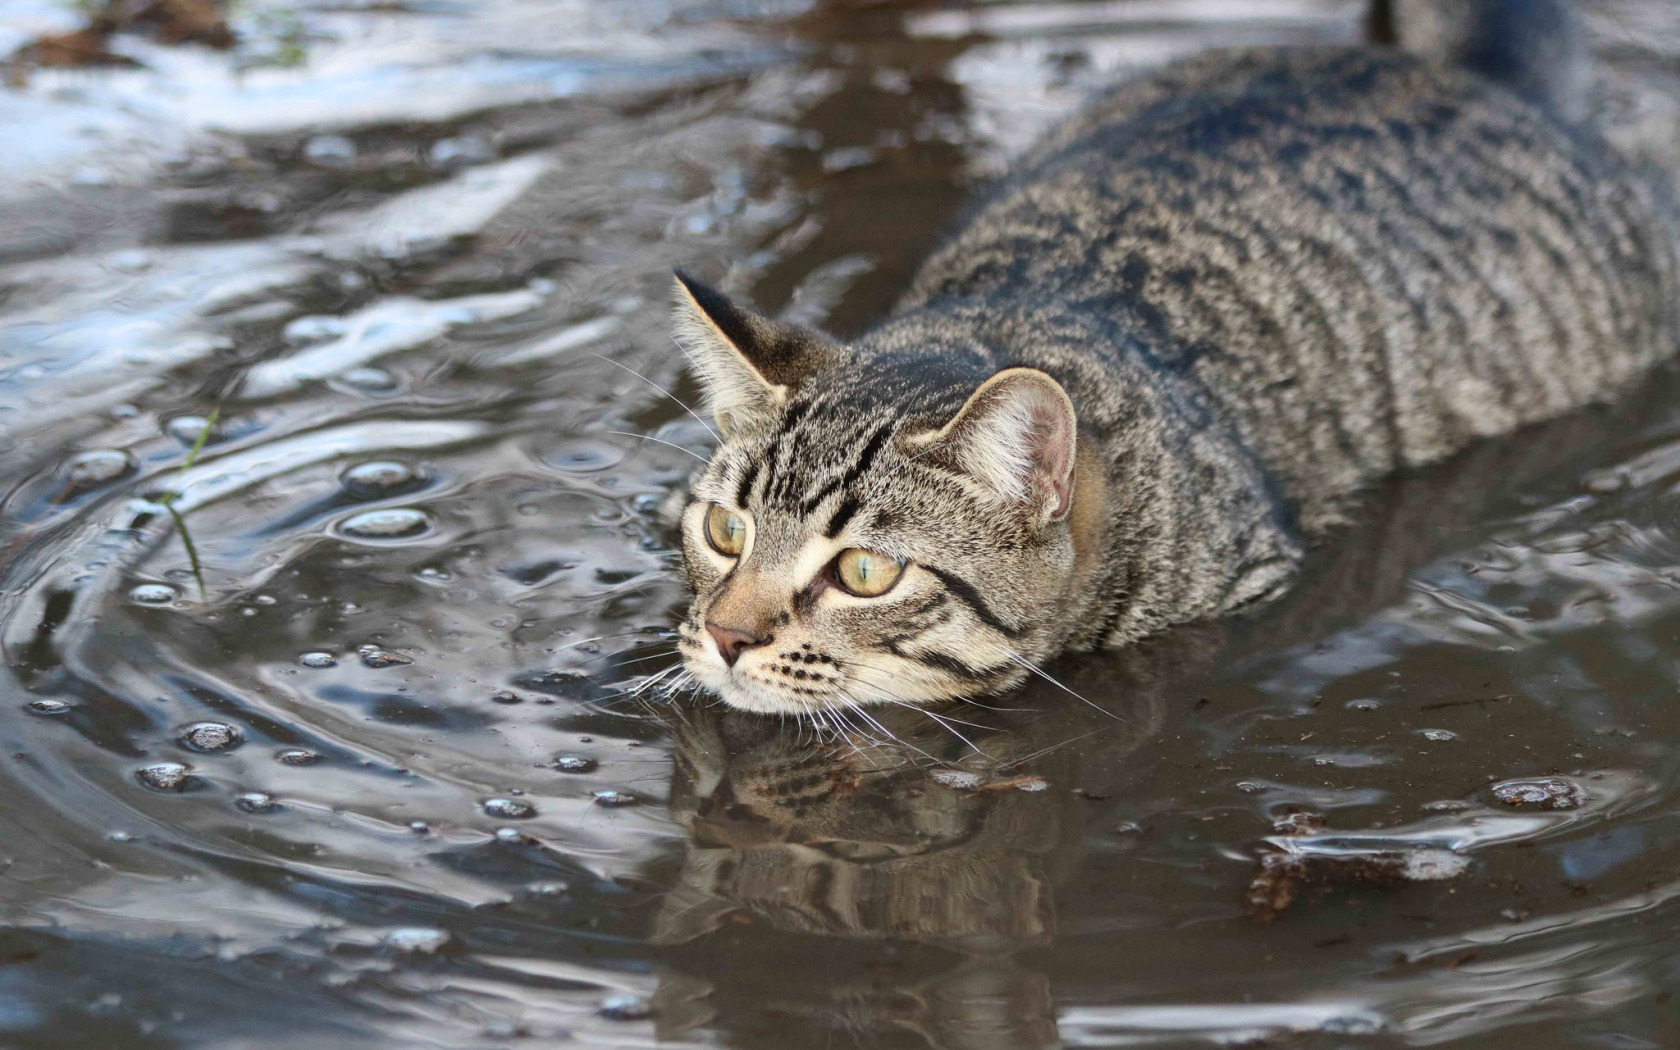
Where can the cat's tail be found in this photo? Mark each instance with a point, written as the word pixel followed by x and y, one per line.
pixel 1537 48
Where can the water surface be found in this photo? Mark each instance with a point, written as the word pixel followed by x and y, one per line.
pixel 321 741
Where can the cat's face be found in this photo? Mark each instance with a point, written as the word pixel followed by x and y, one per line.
pixel 863 535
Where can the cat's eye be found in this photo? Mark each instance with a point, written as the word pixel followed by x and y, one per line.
pixel 867 574
pixel 726 531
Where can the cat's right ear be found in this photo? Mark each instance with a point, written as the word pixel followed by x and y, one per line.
pixel 748 364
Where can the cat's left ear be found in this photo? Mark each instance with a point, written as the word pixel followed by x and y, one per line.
pixel 748 363
pixel 1017 436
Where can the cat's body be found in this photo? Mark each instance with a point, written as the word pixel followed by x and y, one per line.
pixel 1263 279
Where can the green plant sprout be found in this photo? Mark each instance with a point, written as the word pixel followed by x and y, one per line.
pixel 168 500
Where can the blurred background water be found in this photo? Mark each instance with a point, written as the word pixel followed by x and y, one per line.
pixel 320 739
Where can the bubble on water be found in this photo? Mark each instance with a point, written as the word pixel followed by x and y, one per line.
pixel 1541 792
pixel 424 940
pixel 1437 735
pixel 330 151
pixel 419 827
pixel 615 799
pixel 1250 787
pixel 266 599
pixel 256 802
pixel 625 1008
pixel 549 889
pixel 502 696
pixel 164 776
pixel 212 736
pixel 318 660
pixel 48 707
pixel 390 523
pixel 153 594
pixel 296 756
pixel 380 478
pixel 510 836
pixel 370 380
pixel 99 466
pixel 509 809
pixel 186 429
pixel 575 764
pixel 375 657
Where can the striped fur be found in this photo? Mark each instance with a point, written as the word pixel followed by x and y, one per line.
pixel 1264 279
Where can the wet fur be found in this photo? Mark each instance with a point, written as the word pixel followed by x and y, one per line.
pixel 1265 279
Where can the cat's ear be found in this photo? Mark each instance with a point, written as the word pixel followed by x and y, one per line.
pixel 748 364
pixel 1017 436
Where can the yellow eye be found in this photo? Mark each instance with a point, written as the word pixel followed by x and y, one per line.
pixel 867 574
pixel 725 531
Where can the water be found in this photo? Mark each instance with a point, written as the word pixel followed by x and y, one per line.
pixel 351 770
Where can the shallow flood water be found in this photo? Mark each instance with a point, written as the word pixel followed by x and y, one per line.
pixel 323 741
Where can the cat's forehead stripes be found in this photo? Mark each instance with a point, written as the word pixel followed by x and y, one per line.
pixel 811 458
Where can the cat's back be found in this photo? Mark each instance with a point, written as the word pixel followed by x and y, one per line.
pixel 1365 259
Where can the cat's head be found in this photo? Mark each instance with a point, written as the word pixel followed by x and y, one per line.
pixel 878 524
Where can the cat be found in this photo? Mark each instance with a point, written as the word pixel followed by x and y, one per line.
pixel 1160 358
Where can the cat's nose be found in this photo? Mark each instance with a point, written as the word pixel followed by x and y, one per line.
pixel 730 641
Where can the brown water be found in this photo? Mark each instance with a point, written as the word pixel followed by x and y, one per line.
pixel 415 253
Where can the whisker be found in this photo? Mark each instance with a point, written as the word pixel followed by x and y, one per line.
pixel 659 441
pixel 1035 669
pixel 667 393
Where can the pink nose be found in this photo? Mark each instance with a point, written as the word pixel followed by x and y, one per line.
pixel 730 641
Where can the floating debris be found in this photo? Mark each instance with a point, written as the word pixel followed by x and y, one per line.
pixel 1284 874
pixel 509 809
pixel 212 736
pixel 957 779
pixel 375 657
pixel 256 802
pixel 1542 793
pixel 165 776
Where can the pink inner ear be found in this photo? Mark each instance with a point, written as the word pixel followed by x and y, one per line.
pixel 1053 441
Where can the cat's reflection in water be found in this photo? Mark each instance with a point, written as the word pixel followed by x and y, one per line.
pixel 921 838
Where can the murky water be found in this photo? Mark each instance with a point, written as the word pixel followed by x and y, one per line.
pixel 317 743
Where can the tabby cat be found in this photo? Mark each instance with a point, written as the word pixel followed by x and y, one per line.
pixel 1158 360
